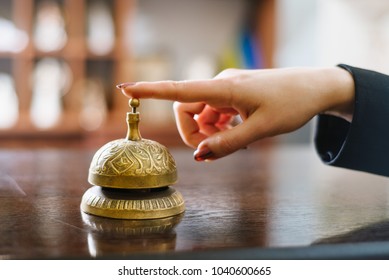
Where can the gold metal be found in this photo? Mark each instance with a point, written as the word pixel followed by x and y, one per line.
pixel 134 103
pixel 130 204
pixel 133 119
pixel 131 177
pixel 133 163
pixel 128 164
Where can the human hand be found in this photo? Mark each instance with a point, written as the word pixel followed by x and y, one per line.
pixel 270 102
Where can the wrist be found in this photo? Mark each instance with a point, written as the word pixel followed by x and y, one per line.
pixel 341 93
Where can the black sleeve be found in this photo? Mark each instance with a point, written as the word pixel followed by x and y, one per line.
pixel 362 144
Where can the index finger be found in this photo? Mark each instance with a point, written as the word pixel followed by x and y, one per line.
pixel 182 91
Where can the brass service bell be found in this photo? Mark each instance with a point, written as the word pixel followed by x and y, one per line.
pixel 132 178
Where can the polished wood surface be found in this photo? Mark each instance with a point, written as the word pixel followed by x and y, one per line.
pixel 276 197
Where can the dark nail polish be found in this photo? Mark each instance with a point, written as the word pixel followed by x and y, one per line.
pixel 124 85
pixel 203 154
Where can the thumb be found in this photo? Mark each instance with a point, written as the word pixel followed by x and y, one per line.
pixel 226 142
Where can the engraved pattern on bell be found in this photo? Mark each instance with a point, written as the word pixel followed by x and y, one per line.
pixel 124 157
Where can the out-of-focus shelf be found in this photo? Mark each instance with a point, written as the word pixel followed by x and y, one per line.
pixel 76 55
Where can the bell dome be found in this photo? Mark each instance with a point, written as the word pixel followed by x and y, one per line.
pixel 128 164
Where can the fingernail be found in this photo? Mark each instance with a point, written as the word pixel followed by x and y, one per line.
pixel 203 154
pixel 124 85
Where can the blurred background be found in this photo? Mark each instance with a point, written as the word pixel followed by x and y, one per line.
pixel 61 59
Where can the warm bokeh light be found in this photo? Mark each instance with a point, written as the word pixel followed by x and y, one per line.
pixel 94 106
pixel 100 28
pixel 12 38
pixel 9 104
pixel 51 80
pixel 49 31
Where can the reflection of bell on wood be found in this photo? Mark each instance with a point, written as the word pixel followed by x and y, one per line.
pixel 131 178
pixel 123 237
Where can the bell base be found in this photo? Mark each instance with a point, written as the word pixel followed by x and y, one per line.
pixel 132 204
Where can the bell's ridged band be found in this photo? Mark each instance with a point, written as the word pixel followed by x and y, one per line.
pixel 163 203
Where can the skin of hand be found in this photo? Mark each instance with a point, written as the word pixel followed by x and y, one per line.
pixel 269 102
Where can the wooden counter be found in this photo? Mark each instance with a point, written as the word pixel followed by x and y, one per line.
pixel 257 203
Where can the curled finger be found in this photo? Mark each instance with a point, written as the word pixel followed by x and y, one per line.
pixel 187 125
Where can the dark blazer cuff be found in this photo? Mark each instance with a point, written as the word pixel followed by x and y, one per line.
pixel 362 144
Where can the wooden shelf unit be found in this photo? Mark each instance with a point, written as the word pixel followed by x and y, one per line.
pixel 82 63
